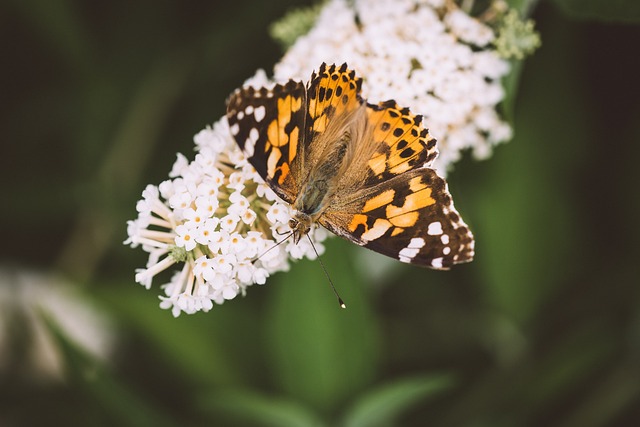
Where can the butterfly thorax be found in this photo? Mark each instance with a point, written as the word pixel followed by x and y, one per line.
pixel 319 187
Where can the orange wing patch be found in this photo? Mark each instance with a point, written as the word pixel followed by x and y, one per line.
pixel 392 209
pixel 403 142
pixel 281 135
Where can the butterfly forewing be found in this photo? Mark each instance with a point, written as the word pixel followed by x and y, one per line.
pixel 268 125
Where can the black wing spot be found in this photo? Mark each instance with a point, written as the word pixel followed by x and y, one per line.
pixel 407 153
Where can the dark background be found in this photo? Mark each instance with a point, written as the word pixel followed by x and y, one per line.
pixel 543 328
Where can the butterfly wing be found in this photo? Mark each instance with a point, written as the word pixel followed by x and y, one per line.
pixel 268 125
pixel 390 203
pixel 410 217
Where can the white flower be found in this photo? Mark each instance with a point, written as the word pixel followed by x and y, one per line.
pixel 278 213
pixel 239 203
pixel 206 231
pixel 229 222
pixel 219 242
pixel 186 236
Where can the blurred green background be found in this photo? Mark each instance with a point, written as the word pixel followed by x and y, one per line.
pixel 542 329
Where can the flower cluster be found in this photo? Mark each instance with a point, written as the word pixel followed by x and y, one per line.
pixel 428 55
pixel 220 220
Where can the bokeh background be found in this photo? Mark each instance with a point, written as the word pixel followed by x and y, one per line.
pixel 542 329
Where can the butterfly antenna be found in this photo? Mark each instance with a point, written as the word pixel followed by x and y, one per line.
pixel 273 247
pixel 342 304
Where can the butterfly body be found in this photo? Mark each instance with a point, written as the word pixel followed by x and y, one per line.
pixel 360 170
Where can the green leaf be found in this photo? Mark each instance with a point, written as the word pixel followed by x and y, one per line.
pixel 384 404
pixel 602 10
pixel 260 410
pixel 121 404
pixel 200 346
pixel 610 398
pixel 569 363
pixel 320 353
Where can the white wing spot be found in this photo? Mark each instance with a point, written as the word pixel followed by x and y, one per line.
pixel 249 110
pixel 435 228
pixel 436 262
pixel 254 134
pixel 408 253
pixel 445 239
pixel 240 115
pixel 259 113
pixel 412 249
pixel 234 129
pixel 250 143
pixel 416 242
pixel 446 250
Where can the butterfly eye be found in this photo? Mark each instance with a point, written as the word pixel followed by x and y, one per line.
pixel 293 223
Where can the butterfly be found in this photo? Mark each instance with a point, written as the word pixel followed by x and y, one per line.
pixel 361 170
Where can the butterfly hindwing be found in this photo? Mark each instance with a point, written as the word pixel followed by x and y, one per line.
pixel 410 217
pixel 268 125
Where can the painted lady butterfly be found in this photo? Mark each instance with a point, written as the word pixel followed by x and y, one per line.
pixel 360 170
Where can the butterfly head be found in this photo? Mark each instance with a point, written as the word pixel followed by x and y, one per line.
pixel 300 224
